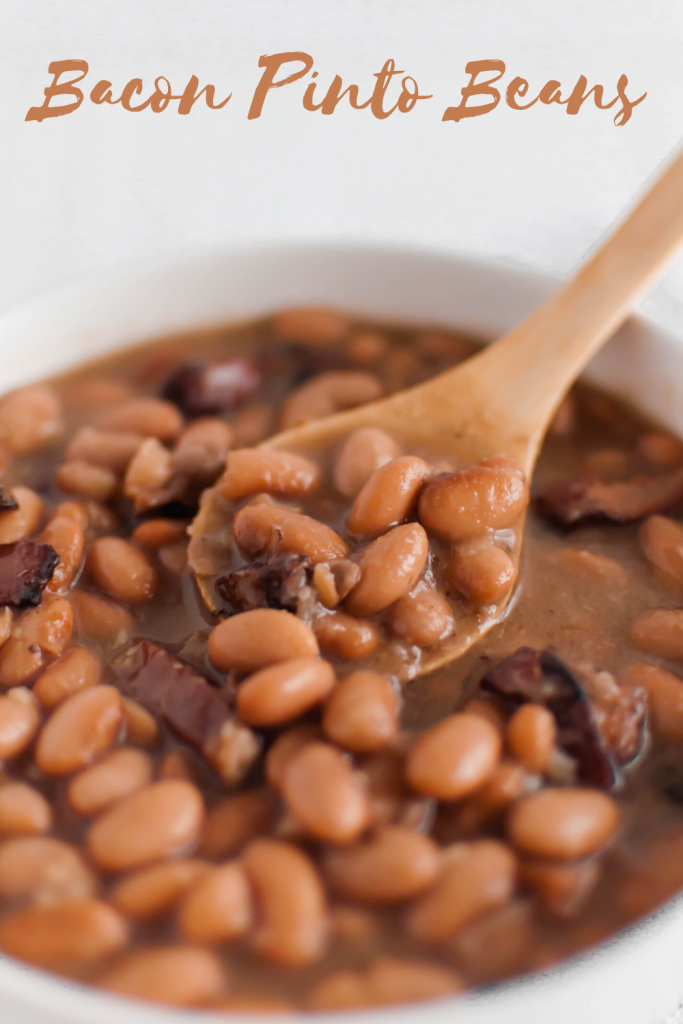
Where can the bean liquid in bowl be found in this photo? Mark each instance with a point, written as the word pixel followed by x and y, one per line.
pixel 214 792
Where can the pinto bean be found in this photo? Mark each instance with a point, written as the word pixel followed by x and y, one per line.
pixel 386 499
pixel 83 726
pixel 324 794
pixel 592 566
pixel 172 975
pixel 530 736
pixel 173 557
pixel 354 926
pixel 19 662
pixel 508 782
pixel 311 325
pixel 664 699
pixel 454 757
pixel 476 877
pixel 6 619
pixel 328 393
pixel 390 567
pixel 30 418
pixel 260 528
pixel 387 982
pixel 238 819
pixel 44 870
pixel 281 692
pixel 345 636
pixel 607 463
pixel 178 764
pixel 292 927
pixel 283 749
pixel 660 449
pixel 154 534
pixel 202 448
pixel 86 480
pixel 103 448
pixel 657 630
pixel 64 937
pixel 150 892
pixel 141 726
pixel 76 669
pixel 481 571
pixel 263 470
pixel 100 619
pixel 99 391
pixel 160 820
pixel 121 570
pixel 253 425
pixel 363 713
pixel 66 537
pixel 20 523
pixel 362 454
pixel 23 810
pixel 150 469
pixel 366 347
pixel 562 889
pixel 563 824
pixel 217 907
pixel 491 495
pixel 100 518
pixel 422 617
pixel 19 721
pixel 334 580
pixel 661 540
pixel 258 638
pixel 149 417
pixel 105 783
pixel 396 864
pixel 38 636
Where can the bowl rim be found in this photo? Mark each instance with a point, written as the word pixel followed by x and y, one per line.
pixel 40 991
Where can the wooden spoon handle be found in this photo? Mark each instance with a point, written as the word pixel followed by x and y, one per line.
pixel 528 371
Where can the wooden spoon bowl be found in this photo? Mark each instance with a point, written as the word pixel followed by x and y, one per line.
pixel 500 401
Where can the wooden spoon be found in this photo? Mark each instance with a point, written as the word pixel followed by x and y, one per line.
pixel 501 401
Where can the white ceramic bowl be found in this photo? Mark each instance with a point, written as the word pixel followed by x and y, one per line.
pixel 637 978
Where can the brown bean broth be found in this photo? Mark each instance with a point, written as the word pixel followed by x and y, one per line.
pixel 551 608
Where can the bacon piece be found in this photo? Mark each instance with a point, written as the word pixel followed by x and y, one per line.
pixel 203 388
pixel 570 502
pixel 26 568
pixel 189 704
pixel 601 726
pixel 7 501
pixel 275 583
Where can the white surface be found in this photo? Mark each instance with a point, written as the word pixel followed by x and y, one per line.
pixel 636 979
pixel 535 187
